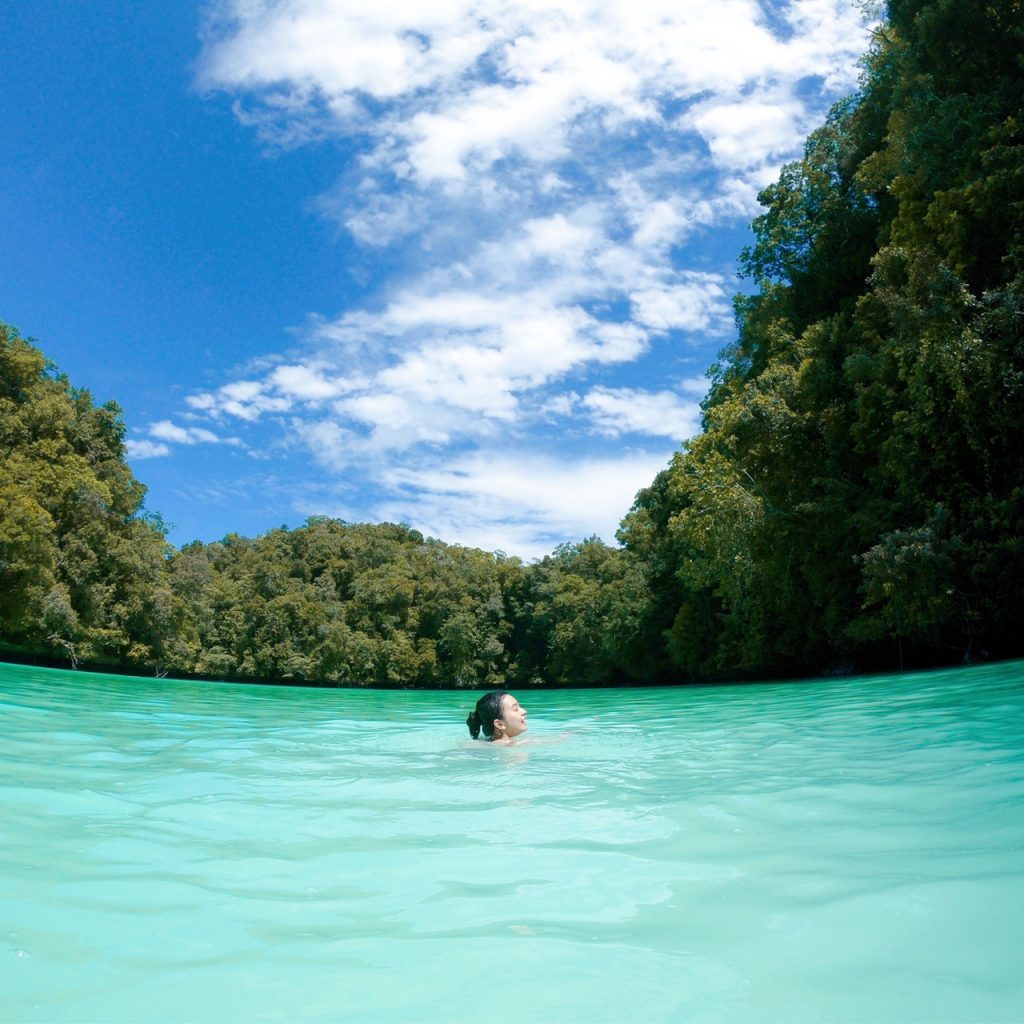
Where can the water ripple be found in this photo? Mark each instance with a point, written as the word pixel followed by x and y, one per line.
pixel 824 850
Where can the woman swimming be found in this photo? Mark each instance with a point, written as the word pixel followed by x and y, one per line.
pixel 499 715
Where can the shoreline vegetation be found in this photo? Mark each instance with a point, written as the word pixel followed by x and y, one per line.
pixel 854 503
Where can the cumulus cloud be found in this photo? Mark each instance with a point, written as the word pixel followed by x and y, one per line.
pixel 165 430
pixel 244 399
pixel 520 501
pixel 168 431
pixel 460 85
pixel 308 383
pixel 616 411
pixel 548 180
pixel 142 449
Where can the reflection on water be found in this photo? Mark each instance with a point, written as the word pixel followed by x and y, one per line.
pixel 822 851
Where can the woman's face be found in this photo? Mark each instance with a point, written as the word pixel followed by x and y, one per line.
pixel 513 716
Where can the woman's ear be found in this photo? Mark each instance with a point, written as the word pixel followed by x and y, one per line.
pixel 499 726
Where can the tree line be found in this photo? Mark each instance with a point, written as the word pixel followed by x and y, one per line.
pixel 854 500
pixel 87 575
pixel 856 497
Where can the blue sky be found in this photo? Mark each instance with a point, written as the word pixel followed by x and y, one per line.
pixel 458 264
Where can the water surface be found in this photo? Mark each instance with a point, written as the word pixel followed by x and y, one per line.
pixel 846 850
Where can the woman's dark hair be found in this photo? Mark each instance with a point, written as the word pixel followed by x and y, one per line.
pixel 487 709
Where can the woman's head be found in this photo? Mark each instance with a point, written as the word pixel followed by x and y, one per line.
pixel 498 715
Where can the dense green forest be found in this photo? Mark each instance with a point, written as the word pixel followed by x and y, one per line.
pixel 857 495
pixel 855 500
pixel 86 574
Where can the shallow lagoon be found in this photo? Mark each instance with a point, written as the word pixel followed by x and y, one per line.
pixel 848 850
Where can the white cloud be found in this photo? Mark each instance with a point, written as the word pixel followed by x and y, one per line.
pixel 519 501
pixel 462 85
pixel 396 422
pixel 695 386
pixel 246 400
pixel 308 383
pixel 560 405
pixel 694 303
pixel 550 179
pixel 616 411
pixel 744 134
pixel 330 444
pixel 145 449
pixel 165 430
pixel 168 431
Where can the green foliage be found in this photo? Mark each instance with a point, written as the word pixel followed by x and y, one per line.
pixel 78 566
pixel 855 495
pixel 352 604
pixel 578 615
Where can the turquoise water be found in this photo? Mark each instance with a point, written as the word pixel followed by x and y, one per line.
pixel 846 850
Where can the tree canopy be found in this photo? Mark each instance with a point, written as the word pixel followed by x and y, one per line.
pixel 855 498
pixel 856 494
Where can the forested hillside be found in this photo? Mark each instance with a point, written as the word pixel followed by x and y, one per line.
pixel 85 575
pixel 80 568
pixel 857 495
pixel 855 500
